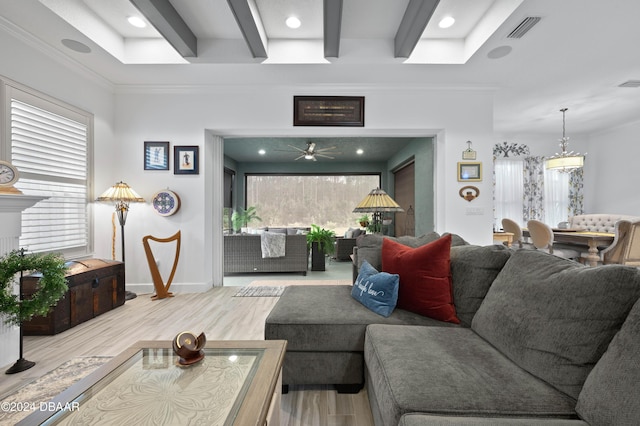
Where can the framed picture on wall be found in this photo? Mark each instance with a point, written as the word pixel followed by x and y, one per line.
pixel 469 172
pixel 328 111
pixel 186 160
pixel 156 155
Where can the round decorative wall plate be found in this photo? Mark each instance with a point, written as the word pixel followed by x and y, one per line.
pixel 165 202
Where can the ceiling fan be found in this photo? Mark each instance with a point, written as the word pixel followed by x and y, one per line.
pixel 312 152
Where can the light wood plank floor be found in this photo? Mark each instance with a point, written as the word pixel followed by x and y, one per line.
pixel 219 315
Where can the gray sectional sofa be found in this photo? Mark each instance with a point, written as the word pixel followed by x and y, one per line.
pixel 542 341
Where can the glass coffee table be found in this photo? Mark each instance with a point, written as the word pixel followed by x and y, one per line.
pixel 237 383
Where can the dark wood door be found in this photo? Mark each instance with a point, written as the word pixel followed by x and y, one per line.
pixel 404 194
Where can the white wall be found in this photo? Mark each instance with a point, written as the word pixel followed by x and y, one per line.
pixel 611 171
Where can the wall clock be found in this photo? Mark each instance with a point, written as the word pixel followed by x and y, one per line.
pixel 8 177
pixel 165 202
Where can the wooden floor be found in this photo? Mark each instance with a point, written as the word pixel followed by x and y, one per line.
pixel 219 315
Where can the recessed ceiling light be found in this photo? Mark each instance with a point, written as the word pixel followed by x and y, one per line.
pixel 136 22
pixel 359 152
pixel 293 22
pixel 446 22
pixel 262 152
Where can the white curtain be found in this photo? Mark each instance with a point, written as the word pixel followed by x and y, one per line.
pixel 509 190
pixel 556 197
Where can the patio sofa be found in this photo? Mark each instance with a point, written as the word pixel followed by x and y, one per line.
pixel 243 254
pixel 541 340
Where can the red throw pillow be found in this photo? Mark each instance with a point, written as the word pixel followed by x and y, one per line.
pixel 425 277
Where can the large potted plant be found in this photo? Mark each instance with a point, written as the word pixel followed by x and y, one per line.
pixel 241 218
pixel 321 242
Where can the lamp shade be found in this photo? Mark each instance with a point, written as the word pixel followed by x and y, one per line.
pixel 565 163
pixel 377 201
pixel 120 192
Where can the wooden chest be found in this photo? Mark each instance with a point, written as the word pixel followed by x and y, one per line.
pixel 95 287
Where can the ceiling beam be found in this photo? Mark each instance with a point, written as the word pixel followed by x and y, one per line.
pixel 332 28
pixel 170 25
pixel 248 19
pixel 415 20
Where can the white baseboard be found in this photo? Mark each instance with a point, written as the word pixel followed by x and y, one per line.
pixel 148 288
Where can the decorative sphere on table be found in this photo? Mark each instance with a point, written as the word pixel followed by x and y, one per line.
pixel 188 347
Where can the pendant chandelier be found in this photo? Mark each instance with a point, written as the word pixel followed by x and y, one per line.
pixel 565 162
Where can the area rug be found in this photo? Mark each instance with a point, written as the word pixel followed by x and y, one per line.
pixel 273 283
pixel 48 386
pixel 260 291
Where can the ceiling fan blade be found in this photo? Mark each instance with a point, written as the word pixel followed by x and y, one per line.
pixel 297 158
pixel 296 148
pixel 326 149
pixel 325 156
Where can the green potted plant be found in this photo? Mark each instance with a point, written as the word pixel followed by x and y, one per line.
pixel 321 242
pixel 241 218
pixel 363 220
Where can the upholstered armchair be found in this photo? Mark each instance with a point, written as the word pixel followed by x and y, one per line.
pixel 344 248
pixel 345 245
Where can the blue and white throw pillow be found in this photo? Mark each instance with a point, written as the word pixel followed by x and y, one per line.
pixel 377 291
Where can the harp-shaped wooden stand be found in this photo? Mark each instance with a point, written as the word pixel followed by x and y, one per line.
pixel 162 289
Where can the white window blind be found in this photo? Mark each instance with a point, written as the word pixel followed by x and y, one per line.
pixel 50 149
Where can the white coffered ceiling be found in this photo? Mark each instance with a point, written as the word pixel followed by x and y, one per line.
pixel 576 56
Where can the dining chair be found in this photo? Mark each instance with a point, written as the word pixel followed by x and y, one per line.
pixel 511 226
pixel 542 239
pixel 631 254
pixel 614 253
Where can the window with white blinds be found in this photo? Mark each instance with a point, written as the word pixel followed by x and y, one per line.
pixel 50 146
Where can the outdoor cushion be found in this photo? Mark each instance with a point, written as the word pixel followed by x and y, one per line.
pixel 451 371
pixel 557 320
pixel 611 393
pixel 425 277
pixel 377 291
pixel 326 318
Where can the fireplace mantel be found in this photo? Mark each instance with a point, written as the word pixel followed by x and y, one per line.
pixel 11 208
pixel 18 203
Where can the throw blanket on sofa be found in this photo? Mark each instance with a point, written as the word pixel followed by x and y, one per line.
pixel 272 244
